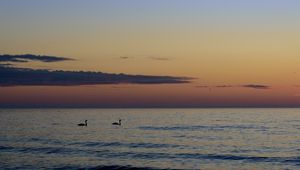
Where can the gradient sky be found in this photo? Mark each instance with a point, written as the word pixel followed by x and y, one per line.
pixel 231 48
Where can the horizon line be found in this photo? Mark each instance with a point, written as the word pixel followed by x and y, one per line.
pixel 207 107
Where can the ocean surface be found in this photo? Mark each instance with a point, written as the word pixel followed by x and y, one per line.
pixel 150 138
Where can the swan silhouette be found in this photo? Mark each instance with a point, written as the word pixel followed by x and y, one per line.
pixel 83 124
pixel 117 123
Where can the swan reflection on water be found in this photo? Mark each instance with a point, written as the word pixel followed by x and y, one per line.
pixel 117 123
pixel 83 124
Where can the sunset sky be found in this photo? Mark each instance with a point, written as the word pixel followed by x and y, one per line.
pixel 177 53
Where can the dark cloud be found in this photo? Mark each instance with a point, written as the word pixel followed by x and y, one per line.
pixel 12 76
pixel 256 86
pixel 31 57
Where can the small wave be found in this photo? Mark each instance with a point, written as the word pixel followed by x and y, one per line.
pixel 117 167
pixel 151 156
pixel 6 148
pixel 202 127
pixel 45 150
pixel 129 145
pixel 45 141
pixel 294 160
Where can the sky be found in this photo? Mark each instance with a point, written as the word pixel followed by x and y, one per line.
pixel 150 53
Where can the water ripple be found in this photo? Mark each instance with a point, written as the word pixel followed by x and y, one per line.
pixel 116 167
pixel 129 145
pixel 202 127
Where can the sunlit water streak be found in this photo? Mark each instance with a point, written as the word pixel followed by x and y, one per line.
pixel 153 138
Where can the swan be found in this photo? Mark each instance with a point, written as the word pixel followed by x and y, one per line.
pixel 117 123
pixel 83 124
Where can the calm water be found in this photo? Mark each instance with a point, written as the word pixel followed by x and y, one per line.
pixel 154 138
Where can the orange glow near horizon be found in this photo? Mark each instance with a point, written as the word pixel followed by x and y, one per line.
pixel 146 96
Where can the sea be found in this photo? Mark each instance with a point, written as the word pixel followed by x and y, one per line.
pixel 212 138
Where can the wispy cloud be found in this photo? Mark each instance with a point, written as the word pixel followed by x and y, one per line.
pixel 31 57
pixel 256 86
pixel 124 57
pixel 202 86
pixel 224 86
pixel 12 76
pixel 5 64
pixel 253 86
pixel 159 58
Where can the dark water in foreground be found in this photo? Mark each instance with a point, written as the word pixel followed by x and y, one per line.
pixel 153 138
